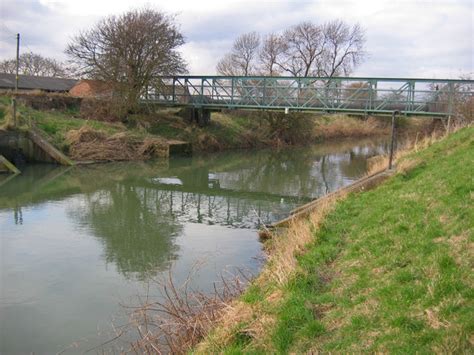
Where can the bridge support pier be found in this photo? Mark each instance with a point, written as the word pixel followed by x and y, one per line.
pixel 201 116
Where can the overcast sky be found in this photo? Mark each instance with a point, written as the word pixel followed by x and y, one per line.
pixel 405 38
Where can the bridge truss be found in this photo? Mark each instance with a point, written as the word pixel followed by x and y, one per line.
pixel 421 97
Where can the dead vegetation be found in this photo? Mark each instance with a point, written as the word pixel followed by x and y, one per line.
pixel 180 317
pixel 89 144
pixel 410 143
pixel 341 126
pixel 99 109
pixel 282 252
pixel 8 123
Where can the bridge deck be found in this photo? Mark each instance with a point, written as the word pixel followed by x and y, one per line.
pixel 433 97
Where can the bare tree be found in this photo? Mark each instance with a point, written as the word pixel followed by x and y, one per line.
pixel 129 51
pixel 7 66
pixel 304 45
pixel 343 49
pixel 242 58
pixel 226 66
pixel 333 49
pixel 304 50
pixel 273 48
pixel 34 64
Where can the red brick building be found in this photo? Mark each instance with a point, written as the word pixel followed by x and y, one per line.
pixel 91 88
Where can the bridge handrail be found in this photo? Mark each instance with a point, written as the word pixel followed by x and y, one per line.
pixel 335 78
pixel 375 95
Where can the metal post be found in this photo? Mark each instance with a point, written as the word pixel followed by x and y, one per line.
pixel 232 91
pixel 213 89
pixel 448 128
pixel 410 96
pixel 450 98
pixel 298 93
pixel 174 90
pixel 368 105
pixel 16 78
pixel 202 91
pixel 392 140
pixel 17 60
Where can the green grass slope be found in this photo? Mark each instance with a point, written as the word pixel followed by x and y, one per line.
pixel 389 270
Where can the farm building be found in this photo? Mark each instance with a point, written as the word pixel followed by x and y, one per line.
pixel 29 83
pixel 91 88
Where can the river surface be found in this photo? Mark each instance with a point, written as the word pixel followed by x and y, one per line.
pixel 76 244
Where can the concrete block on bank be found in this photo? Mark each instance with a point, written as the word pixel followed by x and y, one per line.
pixel 179 148
pixel 31 147
pixel 363 184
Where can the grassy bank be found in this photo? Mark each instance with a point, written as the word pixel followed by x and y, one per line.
pixel 85 137
pixel 228 130
pixel 389 270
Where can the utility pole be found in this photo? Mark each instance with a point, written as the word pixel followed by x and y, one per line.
pixel 16 78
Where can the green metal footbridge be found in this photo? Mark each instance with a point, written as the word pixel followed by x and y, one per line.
pixel 354 95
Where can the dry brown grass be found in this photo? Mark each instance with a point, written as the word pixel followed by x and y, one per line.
pixel 282 264
pixel 9 123
pixel 8 119
pixel 238 319
pixel 284 249
pixel 83 135
pixel 89 144
pixel 341 126
pixel 421 140
pixel 377 164
pixel 181 317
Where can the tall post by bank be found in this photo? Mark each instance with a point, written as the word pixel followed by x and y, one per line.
pixel 392 139
pixel 16 79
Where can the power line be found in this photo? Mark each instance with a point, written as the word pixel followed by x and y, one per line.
pixel 14 33
pixel 7 29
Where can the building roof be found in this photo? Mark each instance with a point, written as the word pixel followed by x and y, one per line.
pixel 28 82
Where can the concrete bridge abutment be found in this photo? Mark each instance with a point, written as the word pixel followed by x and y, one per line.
pixel 21 147
pixel 200 116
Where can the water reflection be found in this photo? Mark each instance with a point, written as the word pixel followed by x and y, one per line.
pixel 137 210
pixel 137 235
pixel 77 241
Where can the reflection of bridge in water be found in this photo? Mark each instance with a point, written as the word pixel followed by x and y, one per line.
pixel 218 190
pixel 137 210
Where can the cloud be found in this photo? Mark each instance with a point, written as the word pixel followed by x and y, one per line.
pixel 405 38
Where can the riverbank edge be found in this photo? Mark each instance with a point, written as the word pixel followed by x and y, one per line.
pixel 150 136
pixel 368 182
pixel 248 323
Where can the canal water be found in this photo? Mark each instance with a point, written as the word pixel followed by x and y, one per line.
pixel 76 244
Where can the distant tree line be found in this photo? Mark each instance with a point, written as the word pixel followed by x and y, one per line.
pixel 306 49
pixel 35 64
